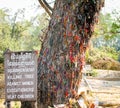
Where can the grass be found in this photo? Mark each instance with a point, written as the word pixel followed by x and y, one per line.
pixel 94 73
pixel 15 104
pixel 1 68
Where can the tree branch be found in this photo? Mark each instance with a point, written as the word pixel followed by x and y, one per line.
pixel 45 7
pixel 48 6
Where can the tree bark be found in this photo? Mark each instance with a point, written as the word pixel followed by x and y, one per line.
pixel 63 51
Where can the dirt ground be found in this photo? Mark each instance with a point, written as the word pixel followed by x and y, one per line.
pixel 105 88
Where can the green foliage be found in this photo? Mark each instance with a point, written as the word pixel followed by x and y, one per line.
pixel 108 26
pixel 104 58
pixel 109 52
pixel 17 105
pixel 105 43
pixel 102 52
pixel 94 73
pixel 18 34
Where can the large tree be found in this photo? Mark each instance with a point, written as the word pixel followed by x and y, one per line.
pixel 63 49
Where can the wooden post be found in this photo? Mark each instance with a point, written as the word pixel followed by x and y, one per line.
pixel 35 104
pixel 7 104
pixel 87 83
pixel 29 104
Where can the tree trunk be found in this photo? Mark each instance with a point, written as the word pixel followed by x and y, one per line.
pixel 63 51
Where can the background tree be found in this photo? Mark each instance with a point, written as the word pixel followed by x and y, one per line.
pixel 20 34
pixel 17 33
pixel 105 41
pixel 63 49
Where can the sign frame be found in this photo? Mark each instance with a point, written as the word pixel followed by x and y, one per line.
pixel 20 75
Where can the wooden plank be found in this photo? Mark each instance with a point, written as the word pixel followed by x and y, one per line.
pixel 107 79
pixel 109 104
pixel 90 87
pixel 107 92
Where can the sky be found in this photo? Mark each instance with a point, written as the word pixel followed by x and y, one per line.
pixel 111 5
pixel 32 10
pixel 30 6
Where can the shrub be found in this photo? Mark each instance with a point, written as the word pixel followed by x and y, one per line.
pixel 106 63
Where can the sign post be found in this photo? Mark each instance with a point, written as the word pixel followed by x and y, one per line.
pixel 20 76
